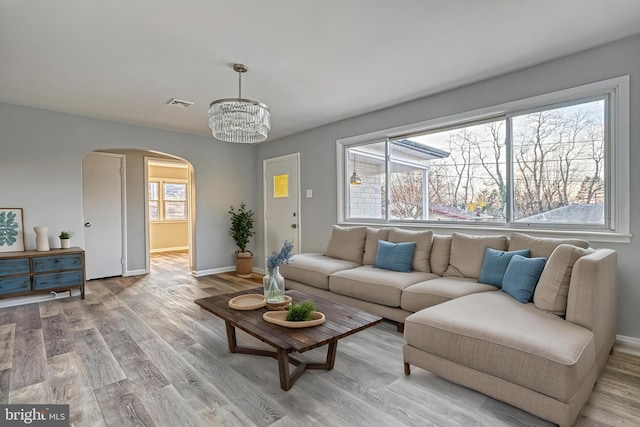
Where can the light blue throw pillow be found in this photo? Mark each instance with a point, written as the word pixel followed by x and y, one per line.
pixel 395 256
pixel 522 276
pixel 495 264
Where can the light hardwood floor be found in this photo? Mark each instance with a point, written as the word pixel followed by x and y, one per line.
pixel 138 351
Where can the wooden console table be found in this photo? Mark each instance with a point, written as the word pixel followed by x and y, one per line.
pixel 34 272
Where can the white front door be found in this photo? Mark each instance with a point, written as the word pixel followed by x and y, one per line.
pixel 102 186
pixel 282 202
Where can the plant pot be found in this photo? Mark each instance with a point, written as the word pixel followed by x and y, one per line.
pixel 65 243
pixel 244 264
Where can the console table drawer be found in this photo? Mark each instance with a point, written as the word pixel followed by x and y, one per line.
pixel 57 280
pixel 60 262
pixel 9 285
pixel 14 266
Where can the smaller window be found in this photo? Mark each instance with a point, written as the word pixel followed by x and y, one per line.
pixel 170 204
pixel 175 201
pixel 154 201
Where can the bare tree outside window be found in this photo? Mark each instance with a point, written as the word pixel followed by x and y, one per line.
pixel 468 183
pixel 559 164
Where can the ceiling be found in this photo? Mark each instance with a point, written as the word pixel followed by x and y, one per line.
pixel 312 62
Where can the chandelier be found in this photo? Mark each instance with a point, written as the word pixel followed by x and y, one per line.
pixel 237 119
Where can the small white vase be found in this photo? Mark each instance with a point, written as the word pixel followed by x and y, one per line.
pixel 42 238
pixel 65 243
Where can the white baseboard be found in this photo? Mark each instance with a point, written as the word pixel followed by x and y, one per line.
pixel 30 299
pixel 627 345
pixel 177 248
pixel 135 272
pixel 211 271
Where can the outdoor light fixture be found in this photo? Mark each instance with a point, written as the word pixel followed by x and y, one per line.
pixel 355 179
pixel 239 120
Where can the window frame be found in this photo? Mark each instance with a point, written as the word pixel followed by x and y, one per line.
pixel 161 199
pixel 615 91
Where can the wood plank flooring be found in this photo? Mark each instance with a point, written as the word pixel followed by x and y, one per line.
pixel 138 351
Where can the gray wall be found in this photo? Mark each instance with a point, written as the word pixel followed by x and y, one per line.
pixel 317 147
pixel 41 156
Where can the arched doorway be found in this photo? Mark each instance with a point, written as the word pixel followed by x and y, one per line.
pixel 168 211
pixel 136 226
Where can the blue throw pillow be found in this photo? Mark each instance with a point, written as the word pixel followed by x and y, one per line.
pixel 395 256
pixel 522 276
pixel 495 264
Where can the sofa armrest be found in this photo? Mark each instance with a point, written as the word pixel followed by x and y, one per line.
pixel 593 299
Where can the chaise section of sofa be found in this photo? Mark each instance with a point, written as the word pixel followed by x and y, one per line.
pixel 530 358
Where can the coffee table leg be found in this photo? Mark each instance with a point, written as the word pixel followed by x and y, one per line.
pixel 231 337
pixel 331 354
pixel 332 348
pixel 283 369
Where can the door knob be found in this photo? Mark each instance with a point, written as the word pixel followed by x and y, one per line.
pixel 87 224
pixel 294 225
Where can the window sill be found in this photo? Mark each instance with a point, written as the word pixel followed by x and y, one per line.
pixel 591 236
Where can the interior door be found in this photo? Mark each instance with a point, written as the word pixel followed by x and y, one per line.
pixel 282 202
pixel 102 185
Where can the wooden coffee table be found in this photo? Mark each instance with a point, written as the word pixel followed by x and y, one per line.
pixel 341 321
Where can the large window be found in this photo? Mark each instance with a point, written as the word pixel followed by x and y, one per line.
pixel 167 200
pixel 554 164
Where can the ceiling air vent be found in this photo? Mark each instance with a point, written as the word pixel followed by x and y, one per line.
pixel 179 103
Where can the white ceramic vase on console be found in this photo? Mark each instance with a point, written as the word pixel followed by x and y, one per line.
pixel 42 238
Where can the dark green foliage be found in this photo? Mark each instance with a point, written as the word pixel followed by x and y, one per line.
pixel 8 228
pixel 65 234
pixel 301 312
pixel 241 226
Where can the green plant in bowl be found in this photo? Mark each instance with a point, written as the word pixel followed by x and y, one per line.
pixel 301 312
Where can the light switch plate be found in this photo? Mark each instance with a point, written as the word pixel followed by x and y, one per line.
pixel 309 194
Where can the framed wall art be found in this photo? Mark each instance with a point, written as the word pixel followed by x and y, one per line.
pixel 11 230
pixel 281 186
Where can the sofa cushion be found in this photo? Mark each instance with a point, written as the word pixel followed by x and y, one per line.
pixel 314 269
pixel 553 287
pixel 371 244
pixel 436 291
pixel 347 243
pixel 422 240
pixel 375 285
pixel 541 246
pixel 495 264
pixel 440 253
pixel 522 276
pixel 467 253
pixel 495 334
pixel 395 256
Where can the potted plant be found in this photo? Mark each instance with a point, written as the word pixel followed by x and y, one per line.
pixel 241 231
pixel 301 312
pixel 65 239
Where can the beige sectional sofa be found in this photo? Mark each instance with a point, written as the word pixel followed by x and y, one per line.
pixel 543 356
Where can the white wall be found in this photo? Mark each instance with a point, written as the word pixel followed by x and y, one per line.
pixel 317 147
pixel 41 156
